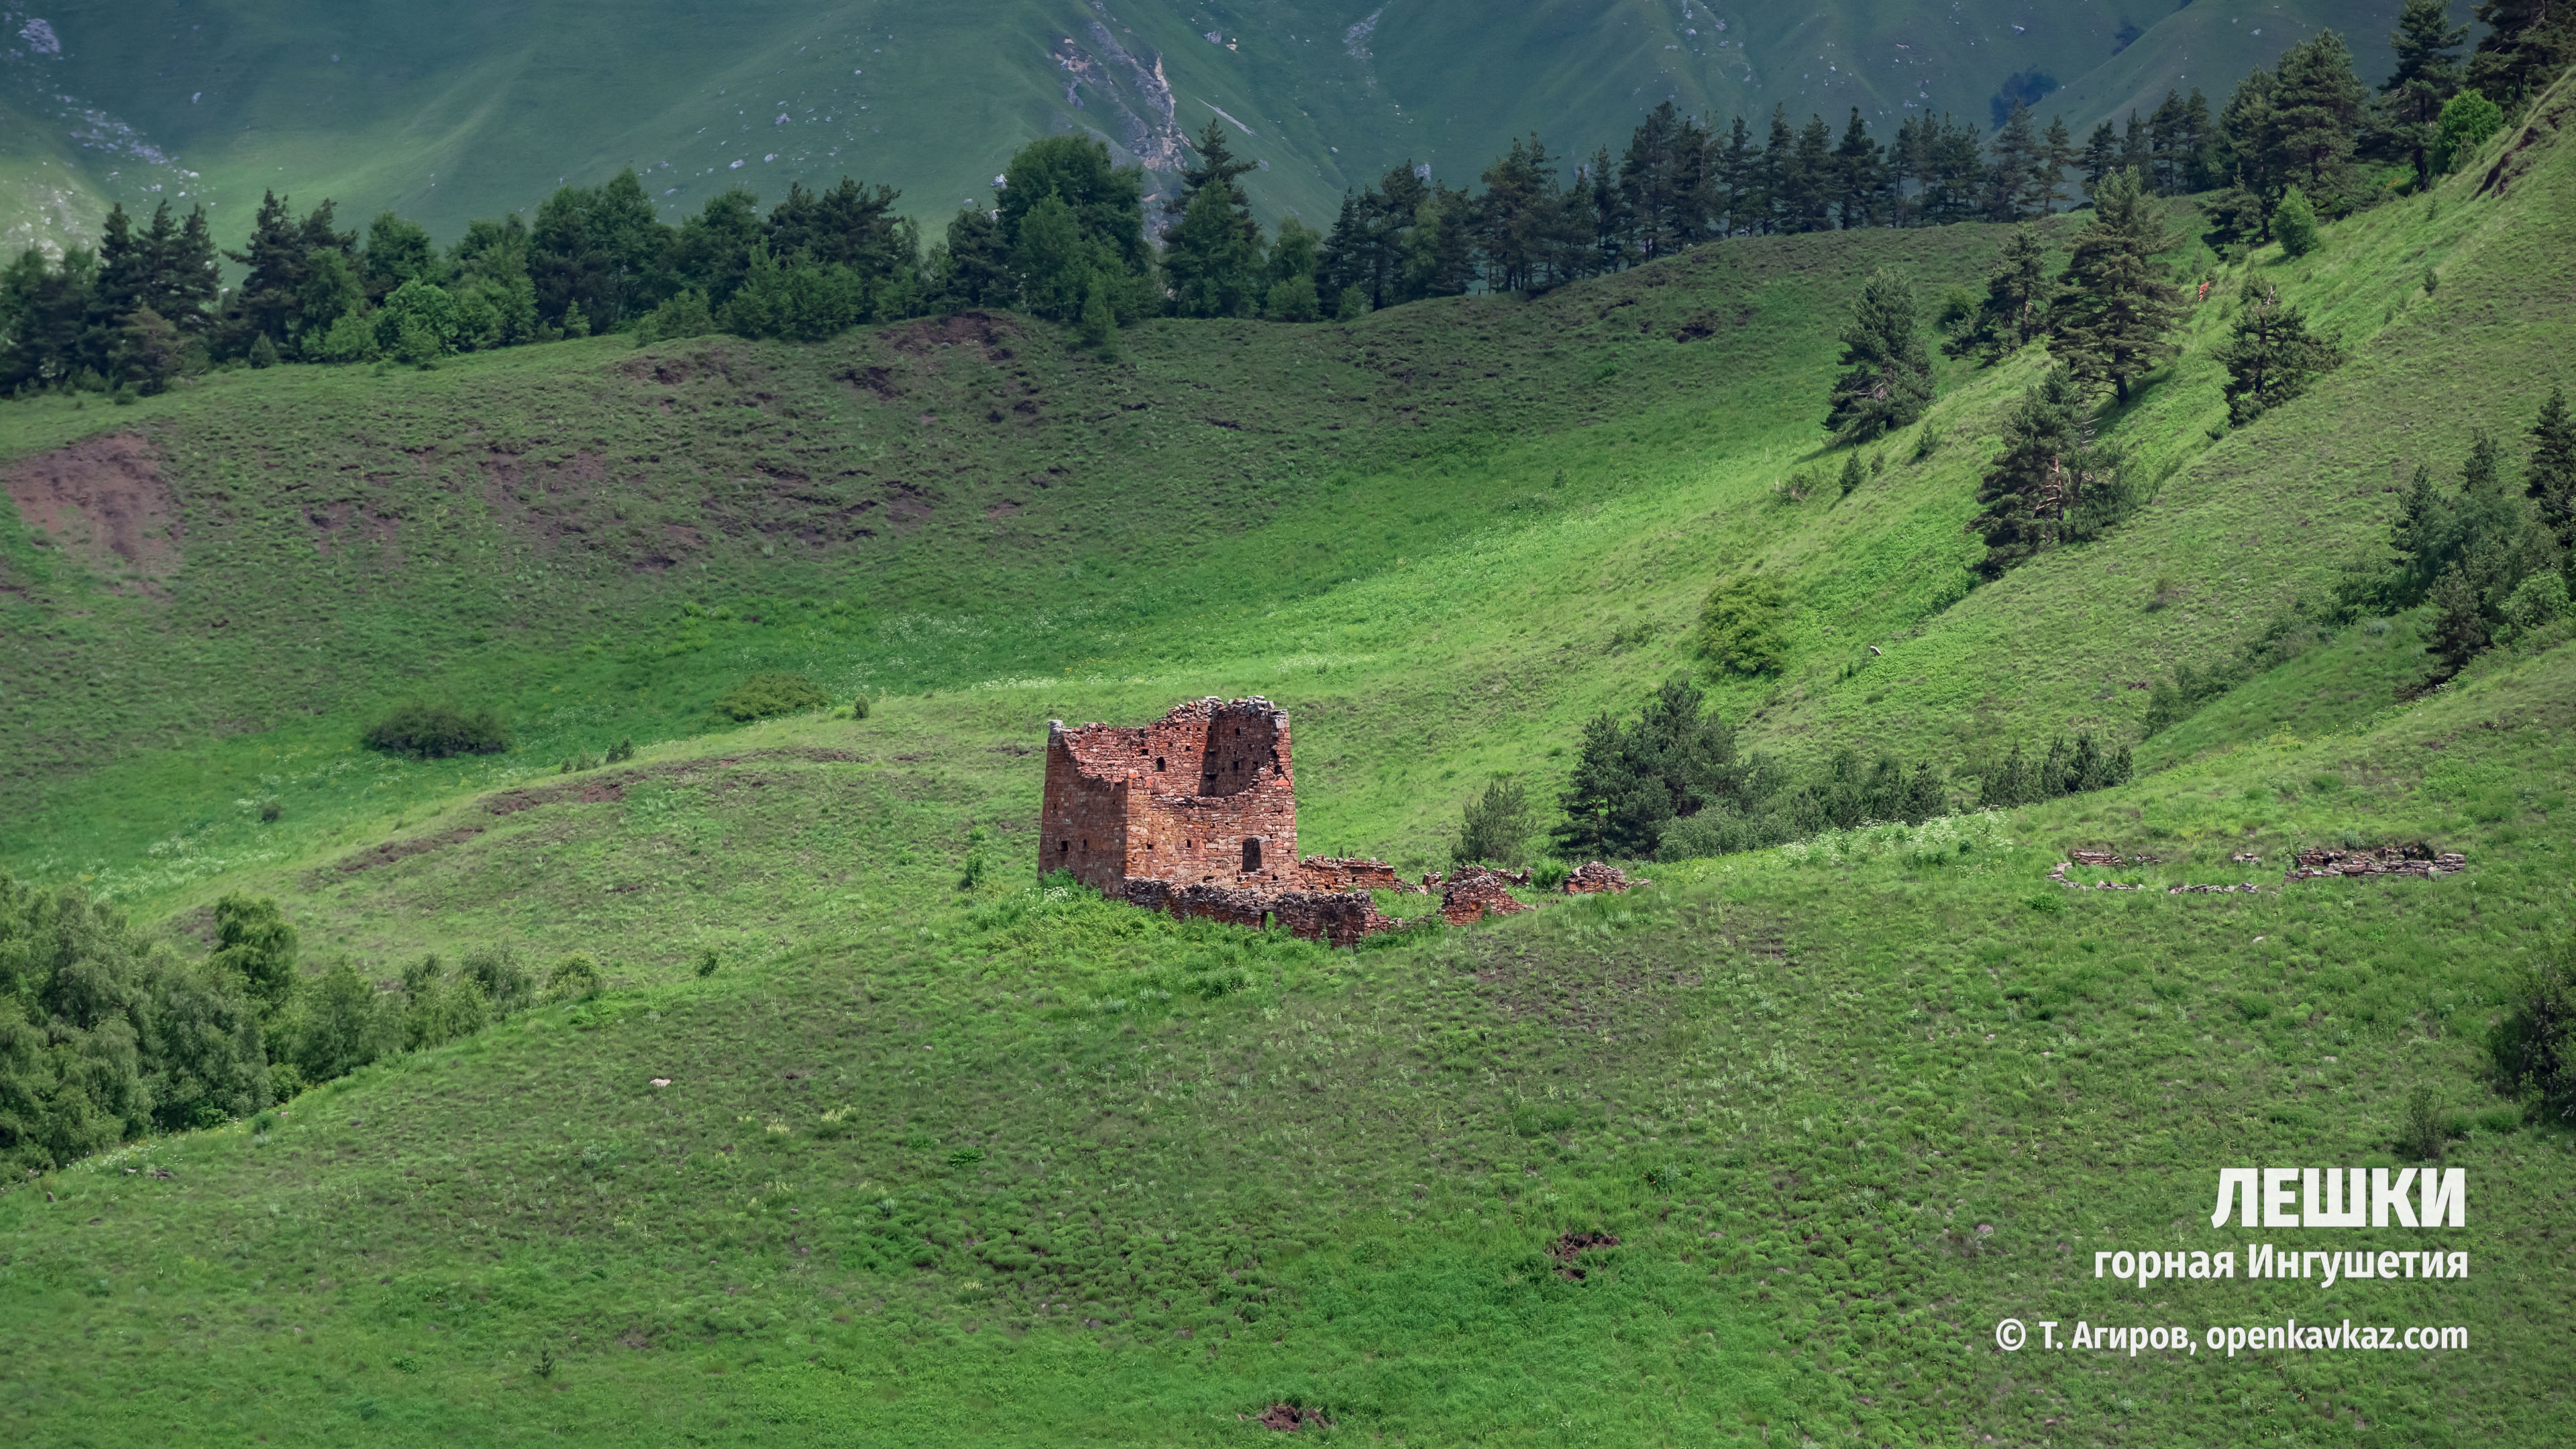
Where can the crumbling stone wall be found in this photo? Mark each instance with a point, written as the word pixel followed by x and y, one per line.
pixel 1475 893
pixel 1322 873
pixel 1203 794
pixel 1335 918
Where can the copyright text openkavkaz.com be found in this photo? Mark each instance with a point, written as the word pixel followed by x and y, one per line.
pixel 2284 1197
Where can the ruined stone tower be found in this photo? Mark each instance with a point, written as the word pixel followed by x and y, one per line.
pixel 1202 796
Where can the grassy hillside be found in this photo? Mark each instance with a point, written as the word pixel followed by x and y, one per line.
pixel 455 112
pixel 1094 1177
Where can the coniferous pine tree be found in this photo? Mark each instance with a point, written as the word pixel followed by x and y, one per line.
pixel 2020 158
pixel 2270 357
pixel 1887 372
pixel 1212 268
pixel 2101 157
pixel 2317 110
pixel 2052 482
pixel 2016 299
pixel 1860 172
pixel 972 268
pixel 2057 156
pixel 2114 311
pixel 2550 478
pixel 2528 42
pixel 2428 74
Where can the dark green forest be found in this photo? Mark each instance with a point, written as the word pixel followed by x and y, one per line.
pixel 1069 239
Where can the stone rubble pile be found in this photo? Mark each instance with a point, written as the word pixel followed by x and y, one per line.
pixel 2319 863
pixel 1594 878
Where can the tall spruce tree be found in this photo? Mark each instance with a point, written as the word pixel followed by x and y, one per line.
pixel 1217 166
pixel 2528 42
pixel 1887 373
pixel 2270 357
pixel 2054 482
pixel 2020 162
pixel 2427 75
pixel 1780 184
pixel 1631 782
pixel 2248 160
pixel 2101 157
pixel 1663 182
pixel 281 255
pixel 1860 175
pixel 2015 304
pixel 1213 269
pixel 2114 314
pixel 2058 156
pixel 2550 478
pixel 1814 182
pixel 1613 220
pixel 2318 106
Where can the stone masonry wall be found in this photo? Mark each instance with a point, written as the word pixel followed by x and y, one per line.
pixel 1196 814
pixel 1327 873
pixel 1335 918
pixel 1204 794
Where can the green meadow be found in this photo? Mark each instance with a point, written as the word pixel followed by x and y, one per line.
pixel 952 1154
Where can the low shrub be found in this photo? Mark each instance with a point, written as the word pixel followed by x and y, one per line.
pixel 764 695
pixel 1497 827
pixel 438 731
pixel 496 972
pixel 2422 1133
pixel 575 977
pixel 2533 1049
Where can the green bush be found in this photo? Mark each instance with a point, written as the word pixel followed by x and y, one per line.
pixel 2424 1129
pixel 505 984
pixel 438 731
pixel 575 977
pixel 859 707
pixel 2467 120
pixel 684 315
pixel 341 1024
pixel 256 948
pixel 2295 223
pixel 764 695
pixel 1744 626
pixel 106 1034
pixel 439 1007
pixel 1497 826
pixel 2533 1049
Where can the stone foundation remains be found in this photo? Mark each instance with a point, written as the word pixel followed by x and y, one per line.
pixel 1594 878
pixel 2390 859
pixel 1475 893
pixel 1196 814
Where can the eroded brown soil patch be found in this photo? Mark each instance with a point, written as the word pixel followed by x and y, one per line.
pixel 104 503
pixel 1568 1250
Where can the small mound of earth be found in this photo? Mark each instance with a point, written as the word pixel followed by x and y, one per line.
pixel 1289 1418
pixel 1566 1249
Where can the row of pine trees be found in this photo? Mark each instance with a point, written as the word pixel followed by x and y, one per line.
pixel 1072 238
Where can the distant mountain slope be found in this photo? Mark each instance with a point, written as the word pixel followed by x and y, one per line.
pixel 450 112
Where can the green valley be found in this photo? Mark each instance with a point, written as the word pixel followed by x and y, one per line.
pixel 452 114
